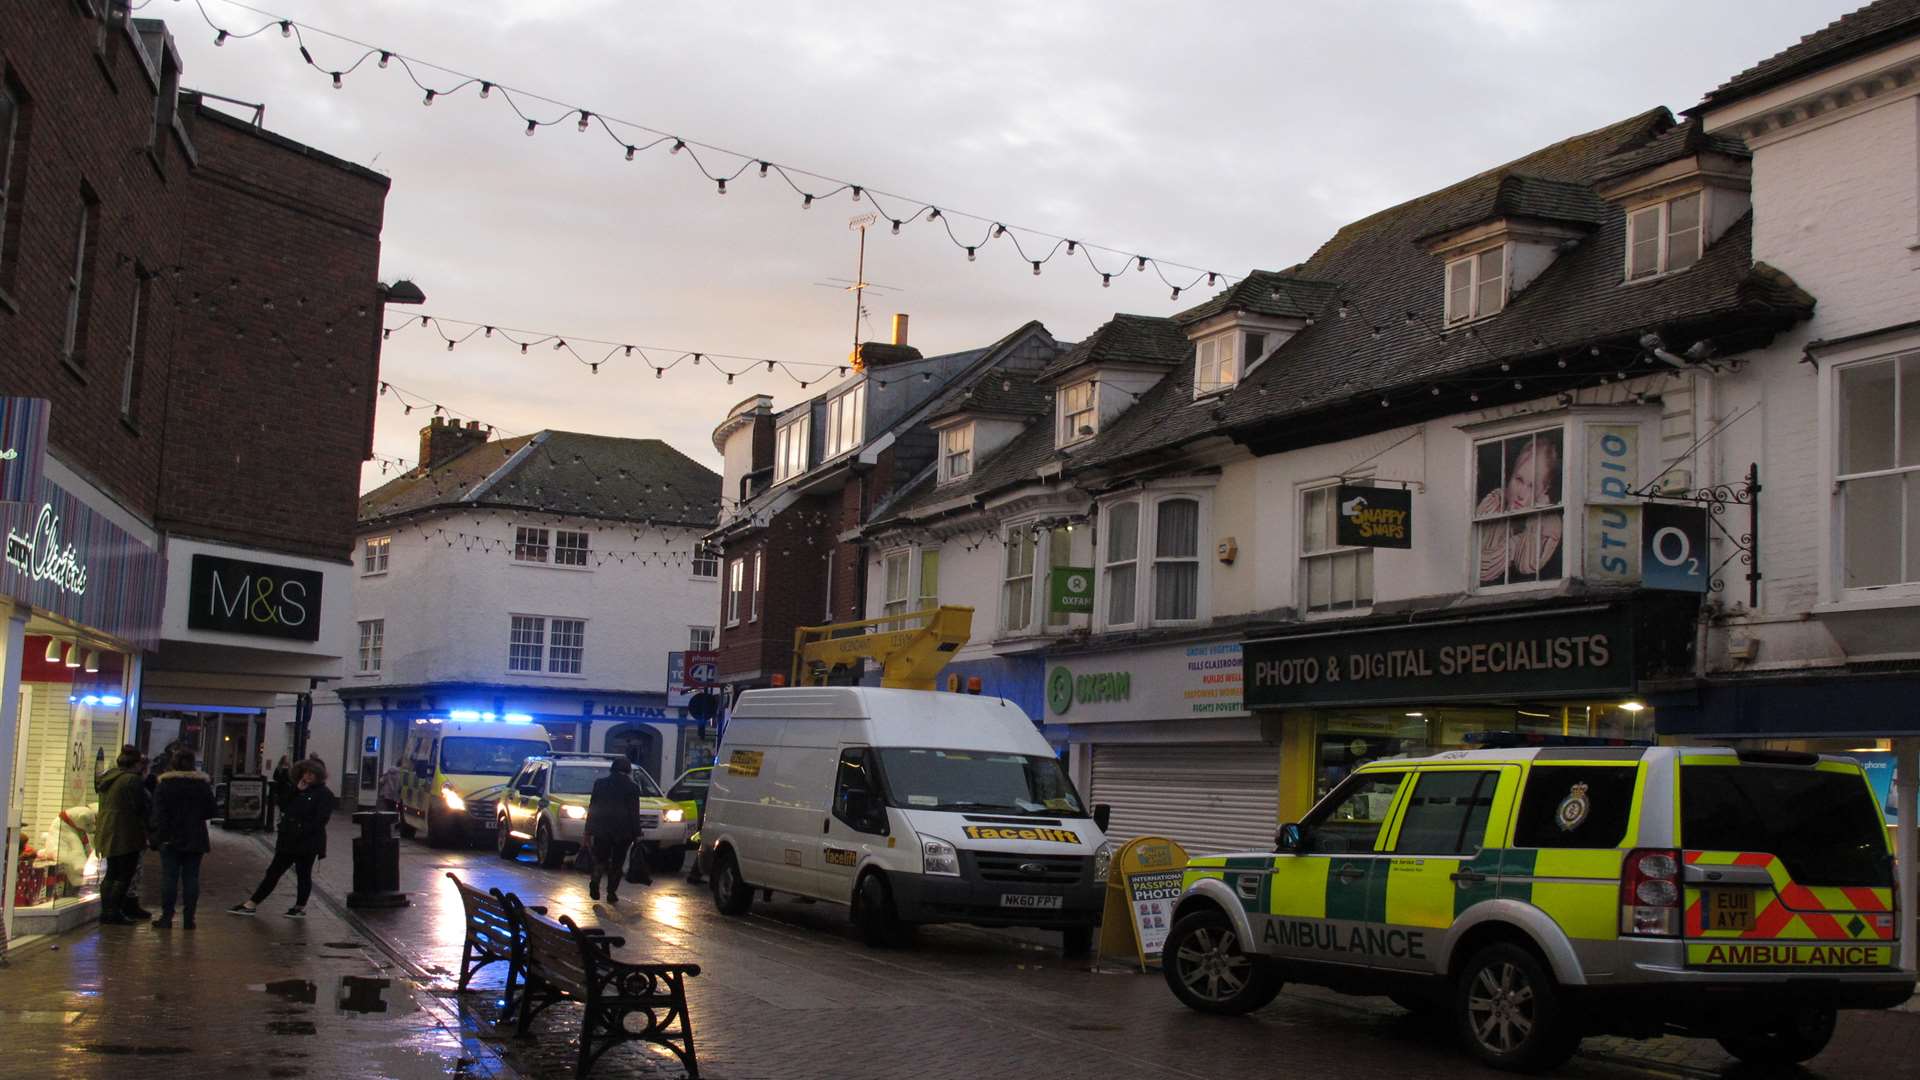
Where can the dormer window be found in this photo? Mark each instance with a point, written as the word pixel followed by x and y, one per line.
pixel 1216 366
pixel 956 453
pixel 1079 412
pixel 1476 286
pixel 1664 237
pixel 790 447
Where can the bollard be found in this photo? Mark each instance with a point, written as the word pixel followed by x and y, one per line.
pixel 376 862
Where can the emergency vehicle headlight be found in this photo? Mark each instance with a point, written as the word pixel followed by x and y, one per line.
pixel 1102 860
pixel 452 799
pixel 574 812
pixel 938 857
pixel 676 814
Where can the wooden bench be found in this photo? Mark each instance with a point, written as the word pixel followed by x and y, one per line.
pixel 494 933
pixel 566 963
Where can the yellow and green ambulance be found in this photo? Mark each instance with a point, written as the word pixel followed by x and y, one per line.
pixel 452 771
pixel 1540 894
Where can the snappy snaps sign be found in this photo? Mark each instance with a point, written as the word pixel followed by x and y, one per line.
pixel 1374 517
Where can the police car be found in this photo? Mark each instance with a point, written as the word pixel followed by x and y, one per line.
pixel 1537 895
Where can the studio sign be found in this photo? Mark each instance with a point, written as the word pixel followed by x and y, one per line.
pixel 40 556
pixel 254 598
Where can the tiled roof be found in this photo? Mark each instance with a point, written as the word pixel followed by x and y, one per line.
pixel 1132 339
pixel 1386 276
pixel 1683 140
pixel 1519 196
pixel 1016 463
pixel 1861 31
pixel 1266 292
pixel 997 393
pixel 561 472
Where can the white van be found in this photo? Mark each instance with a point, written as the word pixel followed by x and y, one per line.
pixel 909 806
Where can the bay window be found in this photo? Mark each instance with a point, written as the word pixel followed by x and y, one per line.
pixel 1123 562
pixel 1176 561
pixel 1016 592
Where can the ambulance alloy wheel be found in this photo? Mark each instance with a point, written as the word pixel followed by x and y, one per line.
pixel 731 894
pixel 544 847
pixel 1792 1040
pixel 1510 1012
pixel 509 847
pixel 1207 970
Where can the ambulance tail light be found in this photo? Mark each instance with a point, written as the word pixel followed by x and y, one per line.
pixel 1650 893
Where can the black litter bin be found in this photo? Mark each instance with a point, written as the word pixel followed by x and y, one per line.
pixel 376 862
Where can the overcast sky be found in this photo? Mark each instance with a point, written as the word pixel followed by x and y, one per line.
pixel 1228 136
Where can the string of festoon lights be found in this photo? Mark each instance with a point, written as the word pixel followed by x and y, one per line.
pixel 719 166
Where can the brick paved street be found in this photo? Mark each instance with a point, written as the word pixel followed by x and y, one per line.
pixel 788 993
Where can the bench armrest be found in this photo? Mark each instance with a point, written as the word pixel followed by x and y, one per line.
pixel 540 910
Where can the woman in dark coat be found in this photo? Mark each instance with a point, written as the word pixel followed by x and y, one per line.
pixel 182 803
pixel 613 824
pixel 120 835
pixel 302 839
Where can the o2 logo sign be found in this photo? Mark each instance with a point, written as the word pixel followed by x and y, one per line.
pixel 259 599
pixel 1673 548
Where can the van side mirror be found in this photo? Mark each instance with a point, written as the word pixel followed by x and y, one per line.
pixel 1289 838
pixel 531 791
pixel 1102 813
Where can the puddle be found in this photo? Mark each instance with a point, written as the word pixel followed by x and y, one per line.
pixel 298 990
pixel 128 1050
pixel 39 1016
pixel 360 994
pixel 291 1027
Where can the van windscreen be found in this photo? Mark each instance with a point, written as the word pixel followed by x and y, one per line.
pixel 472 755
pixel 1822 825
pixel 927 779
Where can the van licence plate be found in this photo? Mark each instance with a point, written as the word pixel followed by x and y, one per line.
pixel 1030 900
pixel 1728 909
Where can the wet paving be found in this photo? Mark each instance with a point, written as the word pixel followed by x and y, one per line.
pixel 787 992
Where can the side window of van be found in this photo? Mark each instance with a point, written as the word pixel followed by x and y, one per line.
pixel 856 793
pixel 1447 813
pixel 1351 818
pixel 1575 806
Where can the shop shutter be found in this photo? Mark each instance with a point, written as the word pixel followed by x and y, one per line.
pixel 1209 798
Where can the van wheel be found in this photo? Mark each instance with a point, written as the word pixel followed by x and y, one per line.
pixel 1076 941
pixel 873 912
pixel 1510 1013
pixel 731 894
pixel 1793 1039
pixel 544 848
pixel 1207 969
pixel 508 847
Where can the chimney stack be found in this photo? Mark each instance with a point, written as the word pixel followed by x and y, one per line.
pixel 900 329
pixel 441 442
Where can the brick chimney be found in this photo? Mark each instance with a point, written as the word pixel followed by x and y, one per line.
pixel 441 442
pixel 872 354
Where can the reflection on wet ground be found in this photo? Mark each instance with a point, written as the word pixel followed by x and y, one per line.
pixel 360 994
pixel 300 990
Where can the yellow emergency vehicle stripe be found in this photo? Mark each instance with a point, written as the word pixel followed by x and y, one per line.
pixel 1420 891
pixel 1301 892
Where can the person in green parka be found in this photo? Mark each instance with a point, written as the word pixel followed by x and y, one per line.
pixel 120 835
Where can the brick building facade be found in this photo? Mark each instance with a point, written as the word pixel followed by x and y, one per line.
pixel 189 351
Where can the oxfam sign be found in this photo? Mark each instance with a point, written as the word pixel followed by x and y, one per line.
pixel 1064 688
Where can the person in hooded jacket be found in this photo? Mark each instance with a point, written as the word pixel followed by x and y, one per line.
pixel 120 835
pixel 182 802
pixel 302 839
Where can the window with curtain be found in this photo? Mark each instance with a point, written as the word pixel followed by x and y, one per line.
pixel 956 452
pixel 1123 562
pixel 1176 560
pixel 1016 595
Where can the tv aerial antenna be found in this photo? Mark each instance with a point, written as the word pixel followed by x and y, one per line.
pixel 859 285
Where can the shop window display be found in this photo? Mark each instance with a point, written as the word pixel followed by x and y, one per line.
pixel 72 723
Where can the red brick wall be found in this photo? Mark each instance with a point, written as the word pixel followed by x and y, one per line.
pixel 281 354
pixel 87 121
pixel 795 544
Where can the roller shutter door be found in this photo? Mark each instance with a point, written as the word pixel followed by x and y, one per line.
pixel 1209 798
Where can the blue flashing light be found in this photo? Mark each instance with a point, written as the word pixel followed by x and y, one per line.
pixel 90 699
pixel 112 699
pixel 463 714
pixel 518 718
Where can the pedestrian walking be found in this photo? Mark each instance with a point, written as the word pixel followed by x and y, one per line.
pixel 182 803
pixel 120 835
pixel 302 839
pixel 613 824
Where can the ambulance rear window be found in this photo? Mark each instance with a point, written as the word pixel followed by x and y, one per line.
pixel 1822 825
pixel 1575 805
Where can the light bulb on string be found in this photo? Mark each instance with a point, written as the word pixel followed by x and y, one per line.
pixel 486 89
pixel 1036 268
pixel 970 257
pixel 1176 292
pixel 428 100
pixel 1106 281
pixel 220 38
pixel 1142 263
pixel 856 193
pixel 806 202
pixel 585 116
pixel 384 57
pixel 722 182
pixel 679 145
pixel 769 365
pixel 763 170
pixel 286 28
pixel 337 84
pixel 933 213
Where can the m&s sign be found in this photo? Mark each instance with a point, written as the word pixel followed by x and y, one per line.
pixel 263 600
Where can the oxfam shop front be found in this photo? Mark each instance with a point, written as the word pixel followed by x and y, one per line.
pixel 81 584
pixel 1161 735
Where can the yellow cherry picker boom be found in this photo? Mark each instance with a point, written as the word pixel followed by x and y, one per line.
pixel 910 647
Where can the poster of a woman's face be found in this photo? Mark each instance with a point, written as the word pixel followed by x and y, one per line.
pixel 1514 480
